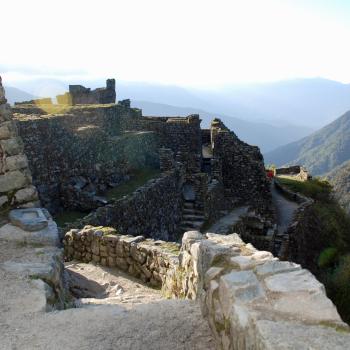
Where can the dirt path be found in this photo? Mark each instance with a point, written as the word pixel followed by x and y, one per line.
pixel 285 209
pixel 224 225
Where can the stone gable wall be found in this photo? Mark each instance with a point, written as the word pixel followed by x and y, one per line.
pixel 16 189
pixel 181 135
pixel 243 172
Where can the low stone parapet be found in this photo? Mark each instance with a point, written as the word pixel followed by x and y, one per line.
pixel 146 259
pixel 253 300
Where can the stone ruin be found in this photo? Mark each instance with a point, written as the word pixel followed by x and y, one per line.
pixel 297 172
pixel 250 299
pixel 16 189
pixel 80 95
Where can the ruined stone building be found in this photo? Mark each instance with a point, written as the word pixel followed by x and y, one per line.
pixel 227 294
pixel 82 150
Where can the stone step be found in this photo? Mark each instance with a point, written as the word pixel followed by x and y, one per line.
pixel 194 224
pixel 188 205
pixel 187 228
pixel 193 217
pixel 192 212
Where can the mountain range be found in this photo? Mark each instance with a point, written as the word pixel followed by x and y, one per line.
pixel 320 152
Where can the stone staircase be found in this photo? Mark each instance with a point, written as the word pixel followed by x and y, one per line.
pixel 192 217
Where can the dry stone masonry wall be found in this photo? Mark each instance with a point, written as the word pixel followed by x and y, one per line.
pixel 153 210
pixel 142 258
pixel 16 189
pixel 251 299
pixel 75 157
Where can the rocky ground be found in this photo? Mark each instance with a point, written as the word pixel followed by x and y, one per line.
pixel 138 319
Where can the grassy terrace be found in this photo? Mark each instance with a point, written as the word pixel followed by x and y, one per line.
pixel 137 180
pixel 334 236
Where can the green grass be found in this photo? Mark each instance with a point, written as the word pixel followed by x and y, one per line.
pixel 68 216
pixel 316 189
pixel 333 259
pixel 136 181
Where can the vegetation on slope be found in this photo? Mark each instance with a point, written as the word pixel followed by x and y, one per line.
pixel 320 152
pixel 333 241
pixel 340 179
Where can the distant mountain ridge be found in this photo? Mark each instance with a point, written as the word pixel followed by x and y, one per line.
pixel 312 102
pixel 320 152
pixel 264 135
pixel 261 134
pixel 16 95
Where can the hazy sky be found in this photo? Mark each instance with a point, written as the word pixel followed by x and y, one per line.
pixel 185 42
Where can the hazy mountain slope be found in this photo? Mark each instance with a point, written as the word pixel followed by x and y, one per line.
pixel 16 95
pixel 315 102
pixel 264 135
pixel 321 151
pixel 340 179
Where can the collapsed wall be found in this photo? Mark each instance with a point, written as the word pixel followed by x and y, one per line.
pixel 16 189
pixel 74 157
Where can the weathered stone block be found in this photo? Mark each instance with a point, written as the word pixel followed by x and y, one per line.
pixel 26 195
pixel 17 162
pixel 12 146
pixel 12 180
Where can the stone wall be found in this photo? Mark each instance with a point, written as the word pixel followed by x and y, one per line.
pixel 251 299
pixel 142 258
pixel 296 171
pixel 153 210
pixel 80 95
pixel 243 172
pixel 74 157
pixel 16 189
pixel 181 135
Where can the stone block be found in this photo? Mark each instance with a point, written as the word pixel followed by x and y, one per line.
pixel 122 264
pixel 29 219
pixel 26 195
pixel 295 281
pixel 111 261
pixel 7 130
pixel 242 286
pixel 12 180
pixel 17 162
pixel 274 267
pixel 12 146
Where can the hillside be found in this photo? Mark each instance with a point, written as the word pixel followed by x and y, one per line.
pixel 340 179
pixel 16 95
pixel 320 152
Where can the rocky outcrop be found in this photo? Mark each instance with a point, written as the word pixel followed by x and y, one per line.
pixel 16 189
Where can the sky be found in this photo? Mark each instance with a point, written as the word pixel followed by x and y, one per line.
pixel 183 42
